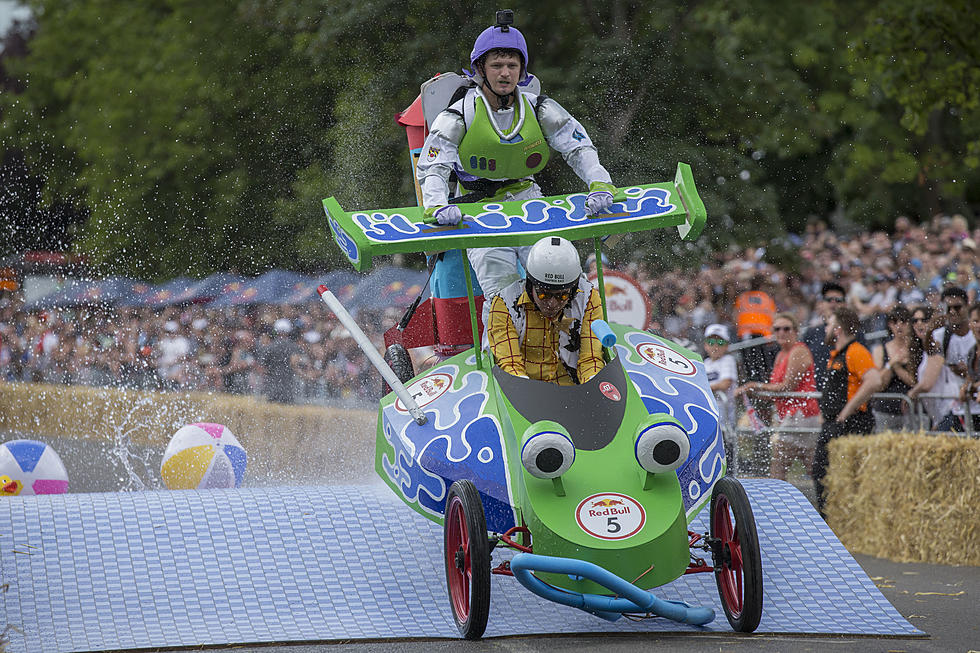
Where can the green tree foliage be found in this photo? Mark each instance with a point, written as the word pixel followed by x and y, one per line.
pixel 27 222
pixel 924 56
pixel 178 124
pixel 203 135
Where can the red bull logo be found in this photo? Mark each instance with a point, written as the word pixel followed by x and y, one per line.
pixel 608 507
pixel 392 288
pixel 605 503
pixel 609 390
pixel 666 358
pixel 426 390
pixel 610 516
pixel 626 301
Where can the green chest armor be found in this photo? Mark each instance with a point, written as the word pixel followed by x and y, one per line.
pixel 489 154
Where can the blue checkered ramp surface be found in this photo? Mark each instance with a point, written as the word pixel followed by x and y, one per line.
pixel 156 569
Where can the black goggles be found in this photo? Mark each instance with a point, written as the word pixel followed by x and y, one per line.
pixel 561 294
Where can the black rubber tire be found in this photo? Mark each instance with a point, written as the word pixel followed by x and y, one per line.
pixel 739 572
pixel 467 553
pixel 401 364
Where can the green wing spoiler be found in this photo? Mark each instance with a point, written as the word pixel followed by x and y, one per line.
pixel 363 235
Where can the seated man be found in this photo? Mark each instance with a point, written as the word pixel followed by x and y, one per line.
pixel 541 327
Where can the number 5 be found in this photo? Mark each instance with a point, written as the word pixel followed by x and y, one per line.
pixel 612 526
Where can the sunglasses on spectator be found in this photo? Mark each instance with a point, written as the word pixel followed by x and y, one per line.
pixel 950 308
pixel 834 299
pixel 716 341
pixel 782 328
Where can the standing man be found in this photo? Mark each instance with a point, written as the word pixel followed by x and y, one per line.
pixel 832 295
pixel 541 327
pixel 955 340
pixel 754 312
pixel 495 139
pixel 851 380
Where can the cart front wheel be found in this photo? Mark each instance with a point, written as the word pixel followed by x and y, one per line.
pixel 738 563
pixel 467 550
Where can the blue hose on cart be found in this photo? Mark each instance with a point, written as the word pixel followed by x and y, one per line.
pixel 630 599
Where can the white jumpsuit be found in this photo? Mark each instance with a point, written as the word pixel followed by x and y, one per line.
pixel 496 267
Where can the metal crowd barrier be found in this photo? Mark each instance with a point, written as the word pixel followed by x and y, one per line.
pixel 738 345
pixel 916 409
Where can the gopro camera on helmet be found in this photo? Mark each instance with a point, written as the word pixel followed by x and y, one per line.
pixel 505 18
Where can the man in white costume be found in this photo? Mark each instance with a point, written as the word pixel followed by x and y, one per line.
pixel 495 138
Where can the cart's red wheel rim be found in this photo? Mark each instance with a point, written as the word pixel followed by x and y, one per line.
pixel 460 579
pixel 730 573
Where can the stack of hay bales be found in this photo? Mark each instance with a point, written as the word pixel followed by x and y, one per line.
pixel 282 441
pixel 906 497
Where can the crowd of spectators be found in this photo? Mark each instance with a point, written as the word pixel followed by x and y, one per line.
pixel 301 354
pixel 289 354
pixel 909 266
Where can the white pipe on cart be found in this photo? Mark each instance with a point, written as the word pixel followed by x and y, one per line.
pixel 362 341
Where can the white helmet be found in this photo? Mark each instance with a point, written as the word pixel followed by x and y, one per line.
pixel 553 262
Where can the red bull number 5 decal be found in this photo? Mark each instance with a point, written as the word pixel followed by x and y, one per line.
pixel 426 390
pixel 610 516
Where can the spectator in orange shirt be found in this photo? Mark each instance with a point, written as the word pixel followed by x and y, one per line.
pixel 541 327
pixel 851 380
pixel 754 311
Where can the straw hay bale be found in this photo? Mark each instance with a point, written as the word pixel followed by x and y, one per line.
pixel 300 439
pixel 906 497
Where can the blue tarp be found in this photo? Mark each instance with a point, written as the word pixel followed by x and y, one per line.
pixel 110 291
pixel 204 290
pixel 341 283
pixel 384 287
pixel 166 293
pixel 388 286
pixel 270 288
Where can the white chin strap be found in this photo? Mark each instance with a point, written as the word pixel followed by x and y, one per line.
pixel 519 107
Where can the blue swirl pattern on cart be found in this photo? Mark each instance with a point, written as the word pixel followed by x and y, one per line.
pixel 458 441
pixel 345 242
pixel 678 388
pixel 537 215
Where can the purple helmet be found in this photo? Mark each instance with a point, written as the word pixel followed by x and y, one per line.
pixel 500 37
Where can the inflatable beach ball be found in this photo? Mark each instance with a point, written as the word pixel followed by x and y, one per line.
pixel 31 467
pixel 202 456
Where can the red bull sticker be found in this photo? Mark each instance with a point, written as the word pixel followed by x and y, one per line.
pixel 626 301
pixel 609 390
pixel 426 390
pixel 666 358
pixel 610 516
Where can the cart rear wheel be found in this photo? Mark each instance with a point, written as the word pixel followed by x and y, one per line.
pixel 738 572
pixel 467 550
pixel 401 364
